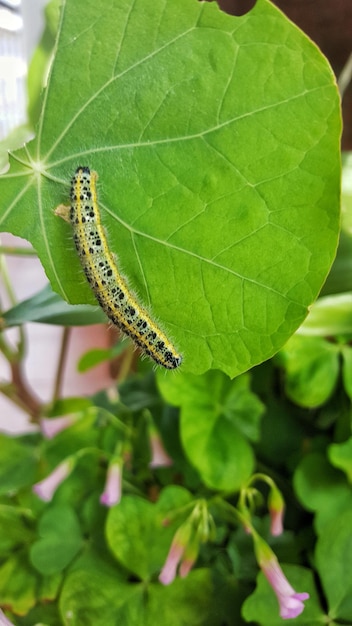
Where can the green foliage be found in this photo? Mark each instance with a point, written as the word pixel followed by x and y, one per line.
pixel 105 601
pixel 216 140
pixel 103 578
pixel 333 558
pixel 312 366
pixel 134 531
pixel 340 455
pixel 322 489
pixel 60 540
pixel 17 464
pixel 47 307
pixel 217 418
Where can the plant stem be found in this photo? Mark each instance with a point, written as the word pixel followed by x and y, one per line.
pixel 19 393
pixel 61 363
pixel 13 250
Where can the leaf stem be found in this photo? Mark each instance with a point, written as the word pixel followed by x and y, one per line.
pixel 61 363
pixel 345 76
pixel 11 354
pixel 20 394
pixel 18 251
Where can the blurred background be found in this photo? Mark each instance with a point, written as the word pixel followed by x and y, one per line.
pixel 21 24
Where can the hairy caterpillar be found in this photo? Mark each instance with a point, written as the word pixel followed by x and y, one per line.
pixel 103 275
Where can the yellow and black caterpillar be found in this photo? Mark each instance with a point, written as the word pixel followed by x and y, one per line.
pixel 104 277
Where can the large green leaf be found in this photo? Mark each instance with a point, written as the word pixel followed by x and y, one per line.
pixel 216 139
pixel 93 598
pixel 339 279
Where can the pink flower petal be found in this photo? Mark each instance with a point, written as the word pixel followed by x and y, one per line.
pixel 276 506
pixel 292 606
pixel 291 602
pixel 168 573
pixel 46 488
pixel 113 485
pixel 276 526
pixel 3 620
pixel 160 457
pixel 50 427
pixel 185 567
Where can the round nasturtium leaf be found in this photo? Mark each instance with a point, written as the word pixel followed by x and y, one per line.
pixel 216 141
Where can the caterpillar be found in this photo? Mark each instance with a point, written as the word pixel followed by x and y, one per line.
pixel 109 286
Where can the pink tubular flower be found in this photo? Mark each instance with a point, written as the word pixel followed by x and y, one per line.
pixel 276 506
pixel 177 549
pixel 113 485
pixel 276 526
pixel 291 602
pixel 46 488
pixel 3 620
pixel 52 426
pixel 160 457
pixel 168 573
pixel 189 557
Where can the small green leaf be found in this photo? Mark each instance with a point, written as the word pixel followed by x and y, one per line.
pixel 213 410
pixel 329 317
pixel 18 464
pixel 64 406
pixel 311 369
pixel 322 489
pixel 190 602
pixel 60 540
pixel 19 582
pixel 41 615
pixel 47 307
pixel 243 408
pixel 333 558
pixel 49 587
pixel 340 455
pixel 95 357
pixel 135 533
pixel 14 529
